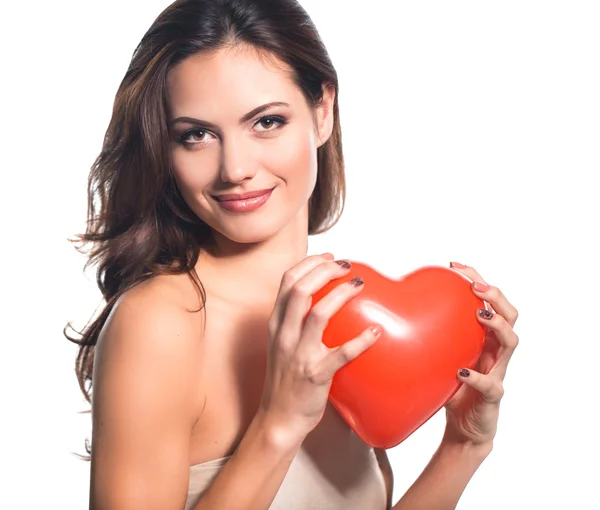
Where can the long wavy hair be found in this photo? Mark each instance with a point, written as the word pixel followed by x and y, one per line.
pixel 138 224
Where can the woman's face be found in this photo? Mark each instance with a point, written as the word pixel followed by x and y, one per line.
pixel 238 144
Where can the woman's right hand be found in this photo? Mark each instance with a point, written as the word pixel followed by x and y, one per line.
pixel 300 368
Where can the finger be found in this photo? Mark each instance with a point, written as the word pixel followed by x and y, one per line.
pixel 497 299
pixel 300 294
pixel 490 387
pixel 350 350
pixel 327 307
pixel 505 336
pixel 468 271
pixel 290 277
pixel 488 293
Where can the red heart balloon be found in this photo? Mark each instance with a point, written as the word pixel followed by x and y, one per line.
pixel 430 331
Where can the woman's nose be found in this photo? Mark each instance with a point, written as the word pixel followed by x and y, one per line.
pixel 237 162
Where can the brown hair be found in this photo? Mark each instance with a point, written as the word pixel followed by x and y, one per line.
pixel 139 225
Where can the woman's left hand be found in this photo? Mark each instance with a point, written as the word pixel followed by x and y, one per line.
pixel 472 413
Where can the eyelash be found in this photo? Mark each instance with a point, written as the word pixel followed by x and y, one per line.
pixel 275 118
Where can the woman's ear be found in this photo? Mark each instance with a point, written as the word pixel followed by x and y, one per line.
pixel 324 114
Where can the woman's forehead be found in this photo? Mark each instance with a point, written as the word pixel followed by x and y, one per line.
pixel 235 79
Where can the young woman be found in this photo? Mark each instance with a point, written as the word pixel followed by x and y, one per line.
pixel 210 381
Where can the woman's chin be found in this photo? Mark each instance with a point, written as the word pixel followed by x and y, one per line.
pixel 248 233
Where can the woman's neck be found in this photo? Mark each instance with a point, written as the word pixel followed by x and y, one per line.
pixel 252 272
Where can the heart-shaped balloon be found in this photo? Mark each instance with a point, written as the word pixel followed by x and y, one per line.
pixel 430 331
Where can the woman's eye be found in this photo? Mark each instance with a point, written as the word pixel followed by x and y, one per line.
pixel 195 137
pixel 270 123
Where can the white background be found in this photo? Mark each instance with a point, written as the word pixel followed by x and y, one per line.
pixel 471 133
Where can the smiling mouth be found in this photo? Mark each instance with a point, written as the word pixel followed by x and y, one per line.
pixel 244 202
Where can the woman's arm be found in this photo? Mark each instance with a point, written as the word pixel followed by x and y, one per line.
pixel 443 481
pixel 143 400
pixel 145 391
pixel 388 474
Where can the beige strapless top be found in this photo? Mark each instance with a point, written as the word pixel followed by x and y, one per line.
pixel 333 470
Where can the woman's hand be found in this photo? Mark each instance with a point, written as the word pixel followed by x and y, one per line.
pixel 472 413
pixel 300 367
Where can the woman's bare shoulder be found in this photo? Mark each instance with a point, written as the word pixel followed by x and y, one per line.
pixel 169 292
pixel 155 315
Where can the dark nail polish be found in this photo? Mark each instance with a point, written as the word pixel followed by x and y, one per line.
pixel 356 282
pixel 464 372
pixel 343 263
pixel 485 314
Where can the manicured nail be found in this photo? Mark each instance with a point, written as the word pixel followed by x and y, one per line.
pixel 480 287
pixel 457 265
pixel 357 282
pixel 485 314
pixel 376 329
pixel 464 372
pixel 343 263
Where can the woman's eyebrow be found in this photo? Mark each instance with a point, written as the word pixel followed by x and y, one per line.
pixel 245 118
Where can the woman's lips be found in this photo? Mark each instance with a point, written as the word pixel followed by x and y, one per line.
pixel 245 202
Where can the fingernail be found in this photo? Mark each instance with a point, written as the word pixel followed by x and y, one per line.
pixel 480 287
pixel 376 329
pixel 464 372
pixel 343 263
pixel 357 282
pixel 485 314
pixel 328 255
pixel 457 265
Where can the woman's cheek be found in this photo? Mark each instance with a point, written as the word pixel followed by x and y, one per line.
pixel 193 170
pixel 292 158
